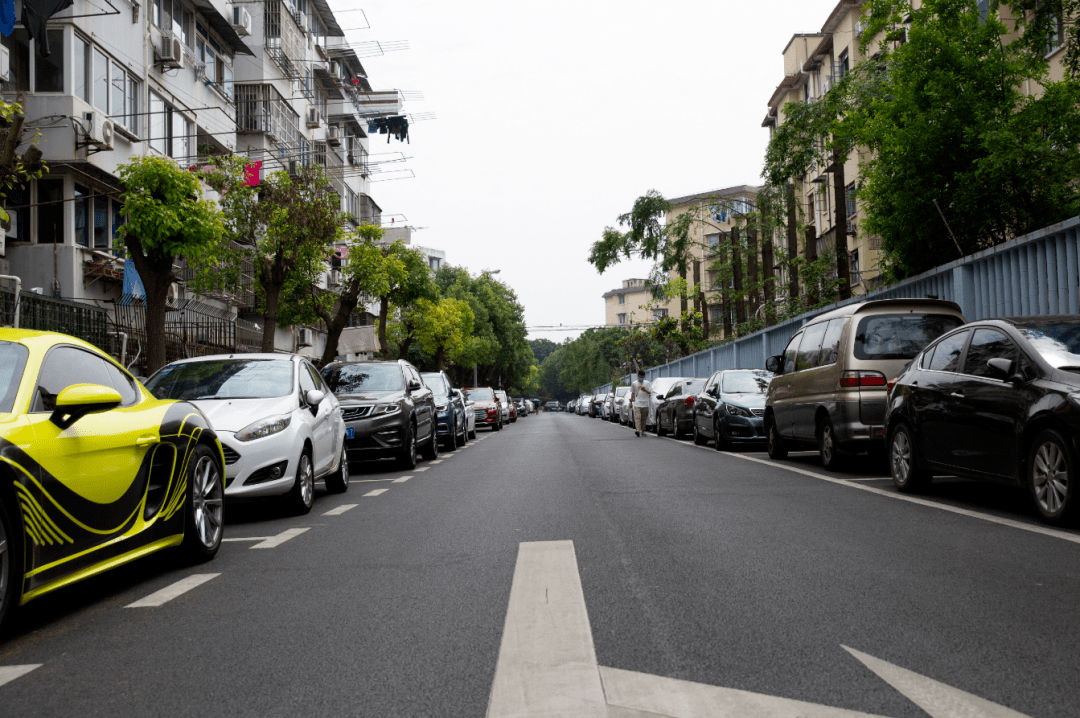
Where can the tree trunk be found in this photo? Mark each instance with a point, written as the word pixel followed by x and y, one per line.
pixel 682 296
pixel 736 268
pixel 811 257
pixel 792 244
pixel 346 304
pixel 699 299
pixel 725 299
pixel 156 274
pixel 440 358
pixel 384 311
pixel 840 228
pixel 752 269
pixel 767 279
pixel 271 298
pixel 403 352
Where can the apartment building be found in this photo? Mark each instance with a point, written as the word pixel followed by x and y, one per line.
pixel 715 214
pixel 274 81
pixel 633 304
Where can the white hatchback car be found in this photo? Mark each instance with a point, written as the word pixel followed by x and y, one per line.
pixel 280 427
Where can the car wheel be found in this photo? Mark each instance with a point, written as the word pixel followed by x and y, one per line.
pixel 774 443
pixel 338 482
pixel 722 444
pixel 10 573
pixel 658 426
pixel 699 438
pixel 301 496
pixel 830 453
pixel 472 434
pixel 407 458
pixel 1050 468
pixel 430 452
pixel 676 430
pixel 451 440
pixel 204 523
pixel 464 431
pixel 908 476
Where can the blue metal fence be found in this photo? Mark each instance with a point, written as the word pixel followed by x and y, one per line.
pixel 1037 274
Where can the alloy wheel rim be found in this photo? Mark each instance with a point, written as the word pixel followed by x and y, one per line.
pixel 826 443
pixel 207 501
pixel 345 466
pixel 307 485
pixel 770 437
pixel 901 457
pixel 1051 477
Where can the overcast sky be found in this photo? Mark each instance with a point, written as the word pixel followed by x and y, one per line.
pixel 553 117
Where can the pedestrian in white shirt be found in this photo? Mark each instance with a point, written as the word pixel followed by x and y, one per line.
pixel 640 391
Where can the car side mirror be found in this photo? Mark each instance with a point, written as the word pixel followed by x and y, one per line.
pixel 714 391
pixel 314 397
pixel 775 364
pixel 414 386
pixel 1002 368
pixel 455 393
pixel 78 400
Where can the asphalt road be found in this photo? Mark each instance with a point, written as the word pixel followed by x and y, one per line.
pixel 726 570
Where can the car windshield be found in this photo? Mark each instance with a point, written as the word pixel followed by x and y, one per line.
pixel 745 382
pixel 900 336
pixel 480 394
pixel 223 379
pixel 437 384
pixel 1059 344
pixel 360 378
pixel 621 391
pixel 692 387
pixel 12 361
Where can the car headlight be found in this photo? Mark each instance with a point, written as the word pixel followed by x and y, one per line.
pixel 384 409
pixel 736 410
pixel 442 408
pixel 264 427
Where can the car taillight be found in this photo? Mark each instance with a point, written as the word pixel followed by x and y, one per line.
pixel 689 401
pixel 851 379
pixel 890 385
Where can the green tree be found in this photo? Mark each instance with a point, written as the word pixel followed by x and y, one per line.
pixel 167 218
pixel 443 328
pixel 408 280
pixel 542 348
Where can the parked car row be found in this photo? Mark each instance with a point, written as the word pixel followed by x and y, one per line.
pixel 908 380
pixel 98 469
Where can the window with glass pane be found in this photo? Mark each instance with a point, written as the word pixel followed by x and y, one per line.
pixel 157 123
pixel 987 344
pixel 80 79
pixel 810 349
pixel 182 130
pixel 49 71
pixel 50 210
pixel 117 223
pixel 101 81
pixel 18 45
pixel 133 106
pixel 119 88
pixel 227 80
pixel 82 210
pixel 947 353
pixel 211 65
pixel 101 222
pixel 156 13
pixel 178 20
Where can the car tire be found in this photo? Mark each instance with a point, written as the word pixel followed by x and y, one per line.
pixel 699 438
pixel 338 482
pixel 451 443
pixel 204 522
pixel 10 566
pixel 774 442
pixel 908 476
pixel 658 427
pixel 827 448
pixel 430 452
pixel 1051 471
pixel 722 444
pixel 301 496
pixel 676 431
pixel 407 458
pixel 472 434
pixel 464 432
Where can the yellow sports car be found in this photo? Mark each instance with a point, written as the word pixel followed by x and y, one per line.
pixel 94 471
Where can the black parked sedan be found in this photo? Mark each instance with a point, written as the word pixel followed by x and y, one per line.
pixel 452 416
pixel 675 412
pixel 995 399
pixel 731 407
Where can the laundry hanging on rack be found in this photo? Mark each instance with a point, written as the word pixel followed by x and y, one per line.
pixel 35 16
pixel 398 126
pixel 7 17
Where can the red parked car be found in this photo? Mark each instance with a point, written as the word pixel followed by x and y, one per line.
pixel 487 407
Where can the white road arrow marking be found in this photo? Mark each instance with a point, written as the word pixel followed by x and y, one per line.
pixel 10 673
pixel 936 698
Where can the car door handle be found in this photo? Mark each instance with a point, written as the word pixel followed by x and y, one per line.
pixel 956 395
pixel 145 441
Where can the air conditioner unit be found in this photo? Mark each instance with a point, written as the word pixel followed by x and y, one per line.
pixel 241 21
pixel 293 167
pixel 333 135
pixel 301 21
pixel 335 69
pixel 170 53
pixel 5 64
pixel 306 337
pixel 314 117
pixel 99 130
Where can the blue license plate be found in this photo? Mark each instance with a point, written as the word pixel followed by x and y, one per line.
pixel 349 432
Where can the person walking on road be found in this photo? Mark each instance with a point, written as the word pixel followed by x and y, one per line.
pixel 640 391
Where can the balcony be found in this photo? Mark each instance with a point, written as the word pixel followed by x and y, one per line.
pixel 261 109
pixel 332 166
pixel 285 41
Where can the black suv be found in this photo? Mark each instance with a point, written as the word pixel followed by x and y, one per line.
pixel 387 409
pixel 453 424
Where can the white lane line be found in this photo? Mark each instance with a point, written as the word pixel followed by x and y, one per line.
pixel 402 480
pixel 340 510
pixel 871 478
pixel 547 663
pixel 367 481
pixel 436 461
pixel 158 598
pixel 376 492
pixel 275 541
pixel 446 456
pixel 422 468
pixel 10 673
pixel 938 699
pixel 1033 528
pixel 247 538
